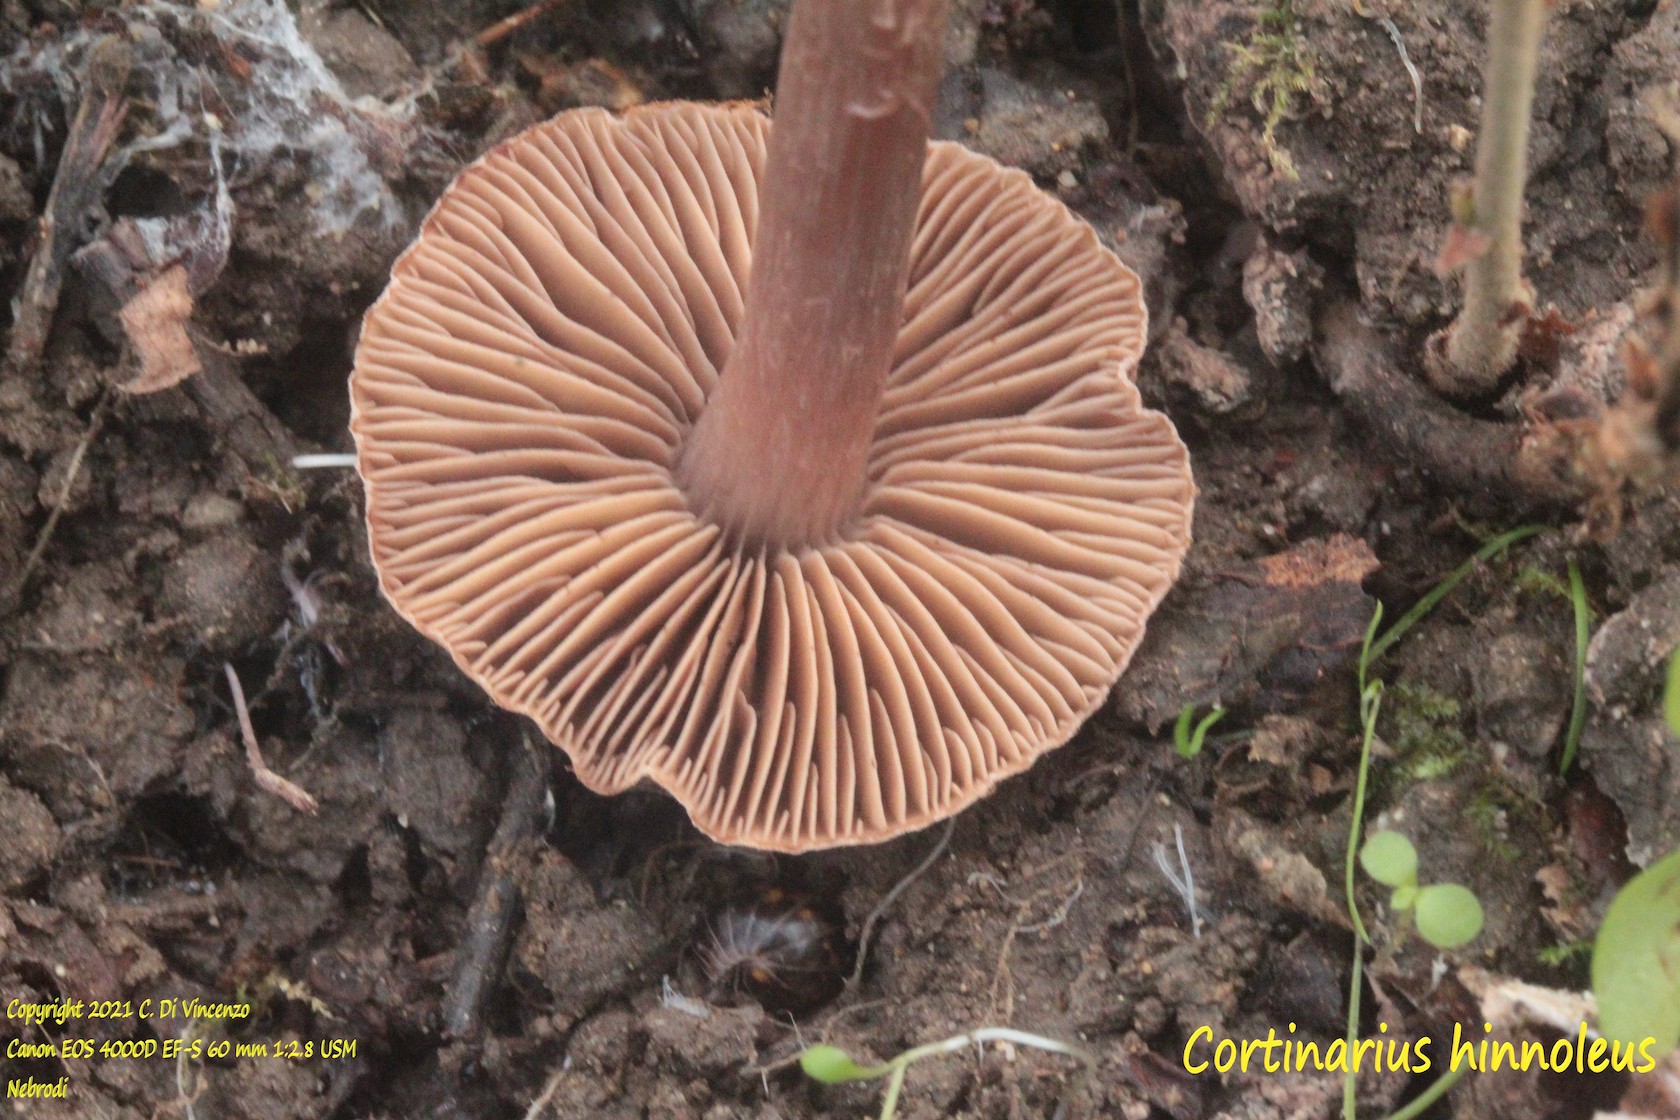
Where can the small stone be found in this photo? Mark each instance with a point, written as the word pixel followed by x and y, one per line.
pixel 1280 288
pixel 1015 123
pixel 32 836
pixel 15 203
pixel 226 590
pixel 1212 378
pixel 209 511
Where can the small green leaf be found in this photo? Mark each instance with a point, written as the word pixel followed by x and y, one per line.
pixel 1448 915
pixel 1188 742
pixel 1636 960
pixel 1390 859
pixel 1404 897
pixel 832 1065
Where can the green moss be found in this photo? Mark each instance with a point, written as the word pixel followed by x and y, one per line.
pixel 1538 581
pixel 1275 69
pixel 1425 731
pixel 1564 953
pixel 1489 811
pixel 278 482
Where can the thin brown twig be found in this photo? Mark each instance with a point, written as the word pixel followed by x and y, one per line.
pixel 490 922
pixel 45 536
pixel 501 29
pixel 78 187
pixel 267 780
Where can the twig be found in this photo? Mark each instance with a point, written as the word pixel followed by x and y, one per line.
pixel 868 930
pixel 550 1087
pixel 78 185
pixel 45 536
pixel 490 921
pixel 501 29
pixel 267 780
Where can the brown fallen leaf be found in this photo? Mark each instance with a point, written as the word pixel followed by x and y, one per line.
pixel 155 320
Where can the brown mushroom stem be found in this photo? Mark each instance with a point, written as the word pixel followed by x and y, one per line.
pixel 1483 341
pixel 779 455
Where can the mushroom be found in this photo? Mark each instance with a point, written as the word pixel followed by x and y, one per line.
pixel 800 471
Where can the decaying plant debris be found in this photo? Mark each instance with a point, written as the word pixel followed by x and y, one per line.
pixel 201 200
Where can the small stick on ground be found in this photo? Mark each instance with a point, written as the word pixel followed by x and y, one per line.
pixel 501 29
pixel 267 780
pixel 78 188
pixel 551 1087
pixel 490 922
pixel 45 536
pixel 868 930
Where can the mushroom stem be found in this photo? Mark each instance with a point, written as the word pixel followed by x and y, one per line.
pixel 780 454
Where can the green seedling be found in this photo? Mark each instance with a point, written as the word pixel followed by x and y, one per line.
pixel 1636 959
pixel 832 1065
pixel 1187 740
pixel 1447 915
pixel 1370 706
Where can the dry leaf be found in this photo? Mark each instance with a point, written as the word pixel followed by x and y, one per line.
pixel 156 323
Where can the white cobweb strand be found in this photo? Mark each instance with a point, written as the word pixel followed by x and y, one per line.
pixel 291 108
pixel 281 112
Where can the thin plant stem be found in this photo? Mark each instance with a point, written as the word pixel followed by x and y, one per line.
pixel 1370 704
pixel 1483 341
pixel 1350 1083
pixel 1578 707
pixel 889 1102
pixel 1358 823
pixel 896 1069
pixel 1429 1096
pixel 1441 590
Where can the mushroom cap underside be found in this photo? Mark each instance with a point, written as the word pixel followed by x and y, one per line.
pixel 520 396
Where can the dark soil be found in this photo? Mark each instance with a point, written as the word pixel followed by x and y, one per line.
pixel 142 860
